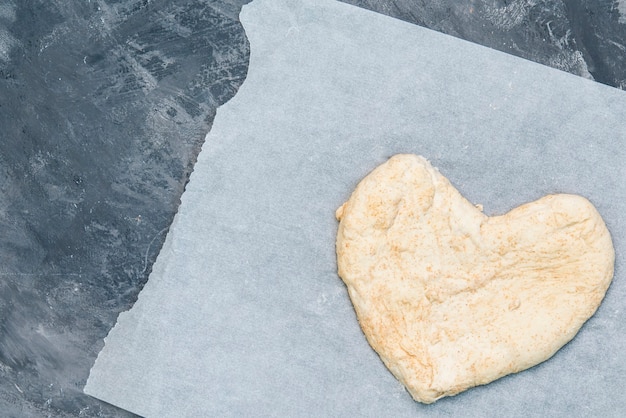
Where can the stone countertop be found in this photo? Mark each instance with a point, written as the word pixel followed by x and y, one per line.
pixel 104 106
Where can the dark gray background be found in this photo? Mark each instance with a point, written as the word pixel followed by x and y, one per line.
pixel 104 105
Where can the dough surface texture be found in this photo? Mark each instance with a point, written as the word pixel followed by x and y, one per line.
pixel 451 298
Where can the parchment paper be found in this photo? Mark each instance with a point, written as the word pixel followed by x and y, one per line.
pixel 244 314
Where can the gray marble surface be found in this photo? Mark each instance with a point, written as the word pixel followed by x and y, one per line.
pixel 104 105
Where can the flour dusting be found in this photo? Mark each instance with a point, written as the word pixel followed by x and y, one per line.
pixel 511 15
pixel 621 8
pixel 7 41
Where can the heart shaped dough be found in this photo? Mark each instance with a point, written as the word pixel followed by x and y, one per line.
pixel 451 298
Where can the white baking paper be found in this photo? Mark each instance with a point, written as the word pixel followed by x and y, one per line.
pixel 244 314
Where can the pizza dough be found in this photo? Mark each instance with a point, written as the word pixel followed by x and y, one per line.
pixel 451 298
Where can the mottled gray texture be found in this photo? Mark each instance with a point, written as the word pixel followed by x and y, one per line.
pixel 244 314
pixel 103 109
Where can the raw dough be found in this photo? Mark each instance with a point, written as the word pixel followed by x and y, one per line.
pixel 451 298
